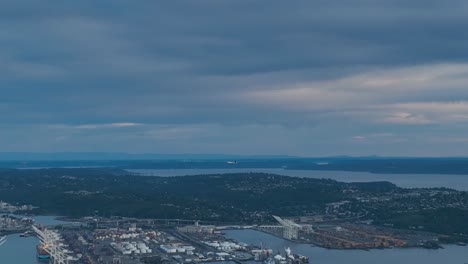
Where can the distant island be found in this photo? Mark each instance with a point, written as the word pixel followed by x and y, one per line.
pixel 371 164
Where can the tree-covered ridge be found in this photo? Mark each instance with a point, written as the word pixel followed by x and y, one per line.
pixel 241 197
pixel 222 197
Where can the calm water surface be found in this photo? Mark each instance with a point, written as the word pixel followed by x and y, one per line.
pixel 449 255
pixel 458 182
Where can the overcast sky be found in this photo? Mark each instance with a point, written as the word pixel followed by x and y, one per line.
pixel 310 78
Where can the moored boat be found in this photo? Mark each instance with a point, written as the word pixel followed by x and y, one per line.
pixel 26 234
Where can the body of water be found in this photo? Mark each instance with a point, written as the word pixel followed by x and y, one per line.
pixel 22 250
pixel 457 182
pixel 450 254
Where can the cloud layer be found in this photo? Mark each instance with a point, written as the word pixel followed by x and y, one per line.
pixel 303 78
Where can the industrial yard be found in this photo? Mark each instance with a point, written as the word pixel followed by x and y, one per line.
pixel 132 244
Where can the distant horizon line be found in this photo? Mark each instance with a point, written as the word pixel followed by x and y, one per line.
pixel 103 155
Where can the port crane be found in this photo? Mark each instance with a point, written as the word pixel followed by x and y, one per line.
pixel 290 229
pixel 51 242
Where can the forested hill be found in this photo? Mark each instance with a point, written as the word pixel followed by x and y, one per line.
pixel 232 197
pixel 249 198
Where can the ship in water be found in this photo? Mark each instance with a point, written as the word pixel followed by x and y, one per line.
pixel 26 234
pixel 42 253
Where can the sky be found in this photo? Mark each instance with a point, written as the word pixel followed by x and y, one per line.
pixel 306 78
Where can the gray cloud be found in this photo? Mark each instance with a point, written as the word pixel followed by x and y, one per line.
pixel 302 77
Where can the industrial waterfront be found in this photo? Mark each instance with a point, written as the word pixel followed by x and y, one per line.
pixel 20 250
pixel 450 253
